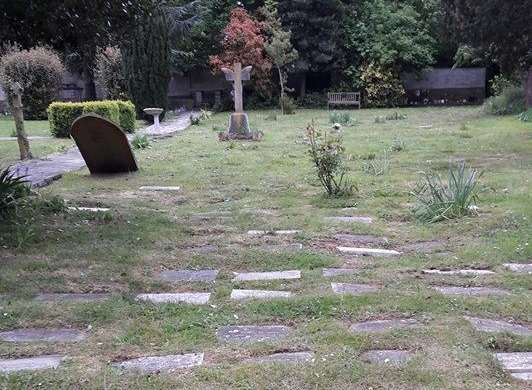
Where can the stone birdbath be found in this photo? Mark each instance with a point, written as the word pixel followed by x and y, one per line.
pixel 155 112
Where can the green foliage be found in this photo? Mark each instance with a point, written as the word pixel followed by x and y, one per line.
pixel 289 105
pixel 395 116
pixel 140 141
pixel 12 189
pixel 61 115
pixel 146 62
pixel 108 74
pixel 343 118
pixel 197 119
pixel 510 102
pixel 398 145
pixel 438 200
pixel 378 166
pixel 327 152
pixel 526 116
pixel 312 100
pixel 39 72
pixel 382 87
pixel 500 82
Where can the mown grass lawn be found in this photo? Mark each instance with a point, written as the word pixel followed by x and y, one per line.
pixel 229 188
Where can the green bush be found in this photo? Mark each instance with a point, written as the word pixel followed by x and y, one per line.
pixel 526 116
pixel 510 102
pixel 289 105
pixel 62 115
pixel 39 71
pixel 12 188
pixel 141 141
pixel 343 118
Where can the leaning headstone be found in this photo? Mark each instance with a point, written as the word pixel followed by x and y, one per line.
pixel 31 364
pixel 252 333
pixel 367 251
pixel 353 289
pixel 517 267
pixel 519 364
pixel 331 272
pixel 238 295
pixel 379 326
pixel 274 275
pixel 470 291
pixel 42 335
pixel 284 357
pixel 394 357
pixel 72 297
pixel 207 275
pixel 103 145
pixel 164 364
pixel 461 272
pixel 494 326
pixel 190 298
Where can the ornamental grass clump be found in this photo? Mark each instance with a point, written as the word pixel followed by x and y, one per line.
pixel 327 154
pixel 12 189
pixel 438 200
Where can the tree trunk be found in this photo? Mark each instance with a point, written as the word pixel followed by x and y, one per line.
pixel 529 88
pixel 22 138
pixel 281 82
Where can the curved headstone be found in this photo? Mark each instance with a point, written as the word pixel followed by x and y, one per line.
pixel 103 145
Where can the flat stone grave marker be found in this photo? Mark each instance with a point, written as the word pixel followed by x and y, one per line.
pixel 360 238
pixel 517 267
pixel 259 294
pixel 273 232
pixel 207 275
pixel 470 291
pixel 190 298
pixel 160 188
pixel 331 272
pixel 519 364
pixel 72 297
pixel 495 326
pixel 90 209
pixel 381 326
pixel 165 364
pixel 395 357
pixel 103 145
pixel 31 364
pixel 367 251
pixel 351 219
pixel 353 289
pixel 42 334
pixel 461 272
pixel 252 333
pixel 273 275
pixel 284 357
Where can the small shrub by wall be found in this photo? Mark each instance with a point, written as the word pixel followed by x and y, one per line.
pixel 511 101
pixel 39 71
pixel 62 115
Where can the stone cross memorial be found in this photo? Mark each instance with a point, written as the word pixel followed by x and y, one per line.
pixel 238 123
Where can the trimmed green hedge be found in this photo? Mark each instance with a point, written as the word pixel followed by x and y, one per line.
pixel 62 115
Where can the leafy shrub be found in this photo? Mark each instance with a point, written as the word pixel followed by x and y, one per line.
pixel 327 153
pixel 343 118
pixel 62 115
pixel 12 188
pixel 499 83
pixel 140 141
pixel 289 105
pixel 510 102
pixel 382 86
pixel 395 116
pixel 39 71
pixel 398 145
pixel 378 166
pixel 195 120
pixel 526 116
pixel 108 74
pixel 438 200
pixel 203 115
pixel 312 100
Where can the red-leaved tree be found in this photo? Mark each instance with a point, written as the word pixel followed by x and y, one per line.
pixel 243 41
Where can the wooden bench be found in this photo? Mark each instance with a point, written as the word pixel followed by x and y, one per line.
pixel 343 98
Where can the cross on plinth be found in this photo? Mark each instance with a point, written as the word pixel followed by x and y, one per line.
pixel 237 75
